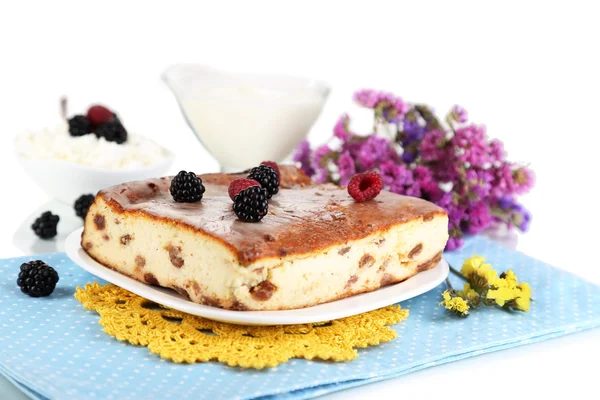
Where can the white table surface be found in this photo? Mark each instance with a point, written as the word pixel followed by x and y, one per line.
pixel 528 71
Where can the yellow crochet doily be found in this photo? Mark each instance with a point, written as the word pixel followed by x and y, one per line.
pixel 185 338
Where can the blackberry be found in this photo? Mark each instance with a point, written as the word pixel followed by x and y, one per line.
pixel 186 187
pixel 79 125
pixel 112 131
pixel 251 205
pixel 267 177
pixel 37 279
pixel 82 204
pixel 45 225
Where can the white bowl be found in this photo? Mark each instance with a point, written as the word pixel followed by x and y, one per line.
pixel 66 180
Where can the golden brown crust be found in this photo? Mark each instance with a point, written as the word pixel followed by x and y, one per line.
pixel 303 220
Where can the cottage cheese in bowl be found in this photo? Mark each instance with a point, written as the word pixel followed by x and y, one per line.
pixel 66 166
pixel 89 150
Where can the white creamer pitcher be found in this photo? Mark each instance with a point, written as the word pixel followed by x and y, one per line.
pixel 243 119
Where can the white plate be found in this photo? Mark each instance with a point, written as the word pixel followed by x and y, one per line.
pixel 361 303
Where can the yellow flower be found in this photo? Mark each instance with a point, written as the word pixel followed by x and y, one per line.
pixel 523 301
pixel 508 290
pixel 469 294
pixel 525 289
pixel 501 295
pixel 511 279
pixel 455 304
pixel 477 272
pixel 471 264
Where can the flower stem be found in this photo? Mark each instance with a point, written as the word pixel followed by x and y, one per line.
pixel 456 272
pixel 449 285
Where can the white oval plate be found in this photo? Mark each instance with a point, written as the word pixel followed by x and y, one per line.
pixel 412 287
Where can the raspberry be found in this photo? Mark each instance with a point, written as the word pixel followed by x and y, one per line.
pixel 99 115
pixel 251 205
pixel 240 184
pixel 186 187
pixel 273 165
pixel 37 279
pixel 363 187
pixel 267 177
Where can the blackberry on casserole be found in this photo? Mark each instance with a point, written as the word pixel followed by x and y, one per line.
pixel 251 205
pixel 37 279
pixel 267 177
pixel 186 187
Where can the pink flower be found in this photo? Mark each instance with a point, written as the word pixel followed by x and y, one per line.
pixel 340 130
pixel 459 114
pixel 392 107
pixel 303 156
pixel 524 179
pixel 497 152
pixel 319 163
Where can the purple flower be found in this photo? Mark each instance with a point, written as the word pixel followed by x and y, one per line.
pixel 433 146
pixel 346 166
pixel 497 152
pixel 514 213
pixel 479 217
pixel 502 180
pixel 524 179
pixel 374 151
pixel 408 157
pixel 454 243
pixel 455 235
pixel 340 130
pixel 319 163
pixel 303 156
pixel 321 175
pixel 460 170
pixel 479 183
pixel 525 220
pixel 456 213
pixel 471 146
pixel 412 131
pixel 399 179
pixel 459 114
pixel 430 189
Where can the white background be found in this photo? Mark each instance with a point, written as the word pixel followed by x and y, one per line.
pixel 529 71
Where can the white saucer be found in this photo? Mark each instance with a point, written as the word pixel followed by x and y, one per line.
pixel 25 239
pixel 361 303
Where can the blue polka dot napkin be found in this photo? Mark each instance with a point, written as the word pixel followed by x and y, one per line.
pixel 53 348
